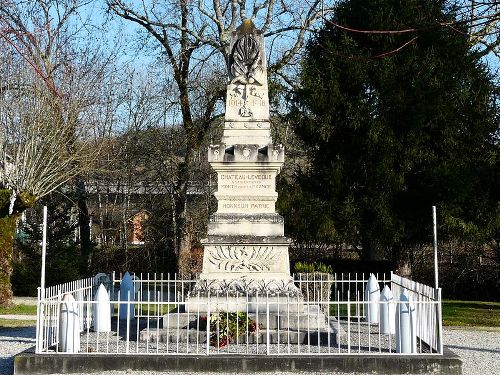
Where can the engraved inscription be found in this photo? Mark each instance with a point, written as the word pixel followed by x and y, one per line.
pixel 246 103
pixel 242 258
pixel 247 181
pixel 241 205
pixel 235 205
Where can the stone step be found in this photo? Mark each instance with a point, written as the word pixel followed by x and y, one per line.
pixel 292 337
pixel 292 321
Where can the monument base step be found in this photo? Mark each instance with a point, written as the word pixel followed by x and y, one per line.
pixel 30 363
pixel 291 337
pixel 308 318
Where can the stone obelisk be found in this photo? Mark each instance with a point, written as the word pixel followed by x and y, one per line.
pixel 245 247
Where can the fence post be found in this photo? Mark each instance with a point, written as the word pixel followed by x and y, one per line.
pixel 434 245
pixel 126 291
pixel 208 320
pixel 268 344
pixel 405 325
pixel 44 251
pixel 439 313
pixel 387 312
pixel 39 323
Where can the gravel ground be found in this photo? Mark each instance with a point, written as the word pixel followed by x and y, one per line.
pixel 14 341
pixel 479 350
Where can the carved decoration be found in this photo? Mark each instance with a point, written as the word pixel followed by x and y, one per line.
pixel 245 112
pixel 246 153
pixel 254 92
pixel 242 258
pixel 252 218
pixel 235 287
pixel 246 63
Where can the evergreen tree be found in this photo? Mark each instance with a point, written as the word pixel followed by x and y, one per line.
pixel 395 123
pixel 63 260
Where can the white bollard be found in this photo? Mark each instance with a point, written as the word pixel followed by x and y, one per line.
pixel 387 312
pixel 372 297
pixel 102 311
pixel 406 337
pixel 69 325
pixel 126 293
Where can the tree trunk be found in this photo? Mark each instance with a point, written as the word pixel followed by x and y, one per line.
pixel 183 235
pixel 83 224
pixel 7 235
pixel 8 222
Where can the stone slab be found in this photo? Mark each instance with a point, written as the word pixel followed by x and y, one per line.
pixel 30 363
pixel 203 304
pixel 245 227
pixel 288 319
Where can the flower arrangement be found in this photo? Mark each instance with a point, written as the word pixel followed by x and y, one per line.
pixel 225 327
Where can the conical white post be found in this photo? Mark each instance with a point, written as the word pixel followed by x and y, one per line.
pixel 387 312
pixel 406 338
pixel 102 311
pixel 372 297
pixel 69 325
pixel 126 295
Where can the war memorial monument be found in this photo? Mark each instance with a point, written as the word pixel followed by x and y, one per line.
pixel 245 249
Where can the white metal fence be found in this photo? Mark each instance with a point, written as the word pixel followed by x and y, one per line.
pixel 167 315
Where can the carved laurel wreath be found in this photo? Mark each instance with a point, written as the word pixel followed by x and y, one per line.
pixel 244 258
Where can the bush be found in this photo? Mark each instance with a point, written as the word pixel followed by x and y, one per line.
pixel 315 283
pixel 191 263
pixel 315 267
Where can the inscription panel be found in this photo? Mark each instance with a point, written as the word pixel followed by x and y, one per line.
pixel 254 182
pixel 245 206
pixel 247 103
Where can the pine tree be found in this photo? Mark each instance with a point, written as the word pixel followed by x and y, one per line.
pixel 396 123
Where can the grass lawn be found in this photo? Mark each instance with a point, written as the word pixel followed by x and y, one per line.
pixel 471 313
pixel 455 313
pixel 19 310
pixel 11 323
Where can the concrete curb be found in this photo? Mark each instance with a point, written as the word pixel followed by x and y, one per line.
pixel 29 363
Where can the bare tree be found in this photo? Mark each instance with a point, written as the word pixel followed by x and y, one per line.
pixel 52 36
pixel 51 79
pixel 194 38
pixel 482 18
pixel 42 147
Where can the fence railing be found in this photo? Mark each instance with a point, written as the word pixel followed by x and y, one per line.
pixel 427 309
pixel 163 314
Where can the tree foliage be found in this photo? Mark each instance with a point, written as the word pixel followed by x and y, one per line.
pixel 395 123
